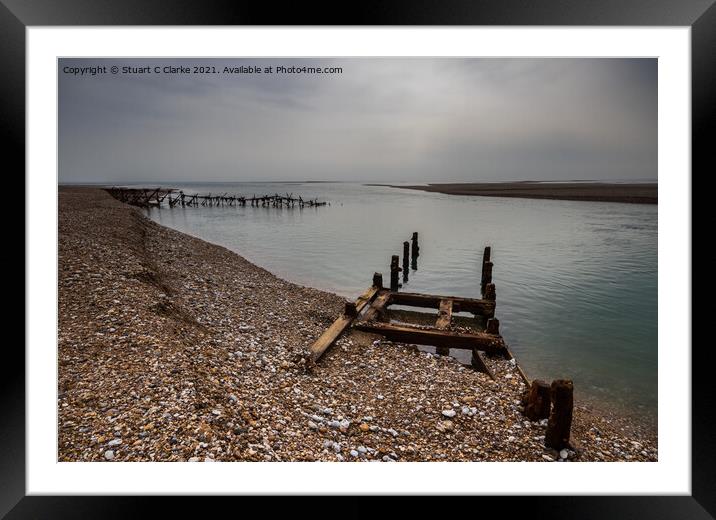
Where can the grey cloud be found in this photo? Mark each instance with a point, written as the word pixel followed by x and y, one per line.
pixel 389 119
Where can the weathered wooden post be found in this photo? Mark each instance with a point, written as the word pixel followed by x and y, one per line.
pixel 560 420
pixel 538 401
pixel 350 310
pixel 493 326
pixel 415 251
pixel 487 272
pixel 378 280
pixel 490 292
pixel 394 272
pixel 406 266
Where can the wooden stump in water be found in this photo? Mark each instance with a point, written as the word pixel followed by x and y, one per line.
pixel 538 401
pixel 490 292
pixel 486 273
pixel 560 420
pixel 406 260
pixel 378 280
pixel 394 272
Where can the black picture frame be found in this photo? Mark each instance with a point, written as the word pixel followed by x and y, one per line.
pixel 700 15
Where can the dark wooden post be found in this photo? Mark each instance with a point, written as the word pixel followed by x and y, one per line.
pixel 486 273
pixel 350 310
pixel 560 420
pixel 493 326
pixel 490 292
pixel 378 280
pixel 406 261
pixel 538 401
pixel 394 272
pixel 415 251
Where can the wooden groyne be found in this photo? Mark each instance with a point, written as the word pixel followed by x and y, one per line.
pixel 370 313
pixel 156 197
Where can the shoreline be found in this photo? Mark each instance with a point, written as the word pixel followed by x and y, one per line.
pixel 172 348
pixel 631 193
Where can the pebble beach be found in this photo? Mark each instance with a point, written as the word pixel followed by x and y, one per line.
pixel 174 349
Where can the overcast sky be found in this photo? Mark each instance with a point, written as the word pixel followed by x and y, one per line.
pixel 388 119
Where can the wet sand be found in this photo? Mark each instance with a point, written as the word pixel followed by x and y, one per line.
pixel 174 349
pixel 646 193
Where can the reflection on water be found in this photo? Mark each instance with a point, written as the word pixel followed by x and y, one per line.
pixel 576 281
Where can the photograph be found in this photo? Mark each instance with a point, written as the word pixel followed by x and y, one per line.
pixel 357 259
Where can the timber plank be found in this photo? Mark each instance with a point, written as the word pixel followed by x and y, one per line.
pixel 377 307
pixel 482 307
pixel 479 364
pixel 439 338
pixel 330 335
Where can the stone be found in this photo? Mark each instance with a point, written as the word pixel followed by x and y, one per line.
pixel 446 426
pixel 563 454
pixel 109 455
pixel 449 413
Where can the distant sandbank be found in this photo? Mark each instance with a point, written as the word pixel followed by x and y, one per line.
pixel 636 193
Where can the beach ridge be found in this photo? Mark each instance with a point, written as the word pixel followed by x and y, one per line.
pixel 633 193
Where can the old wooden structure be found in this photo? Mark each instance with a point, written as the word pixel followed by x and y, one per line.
pixel 146 197
pixel 371 313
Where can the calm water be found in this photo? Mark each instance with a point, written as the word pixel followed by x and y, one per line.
pixel 576 281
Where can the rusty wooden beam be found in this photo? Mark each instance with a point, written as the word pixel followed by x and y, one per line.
pixel 479 364
pixel 481 307
pixel 438 338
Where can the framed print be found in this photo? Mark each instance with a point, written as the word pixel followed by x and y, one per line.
pixel 419 255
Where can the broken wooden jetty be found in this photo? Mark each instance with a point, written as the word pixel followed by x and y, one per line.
pixel 371 313
pixel 155 197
